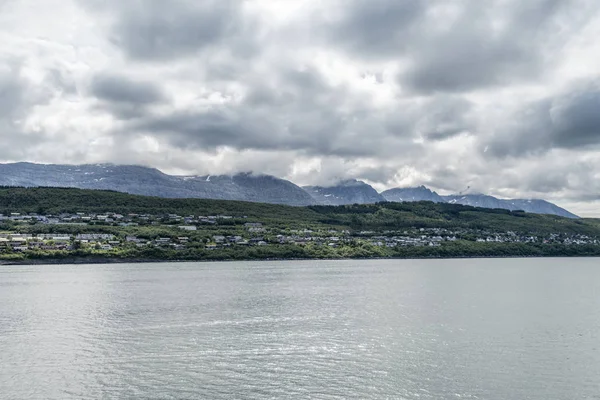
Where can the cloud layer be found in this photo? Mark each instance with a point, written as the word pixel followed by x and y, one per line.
pixel 501 96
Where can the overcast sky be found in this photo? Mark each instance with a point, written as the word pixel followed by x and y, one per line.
pixel 502 96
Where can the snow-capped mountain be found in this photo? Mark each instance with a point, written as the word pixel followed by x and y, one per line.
pixel 243 186
pixel 152 182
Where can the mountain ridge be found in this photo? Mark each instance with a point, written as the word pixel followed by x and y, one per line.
pixel 419 193
pixel 150 181
pixel 346 192
pixel 244 186
pixel 536 206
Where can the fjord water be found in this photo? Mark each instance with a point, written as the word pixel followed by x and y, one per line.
pixel 398 329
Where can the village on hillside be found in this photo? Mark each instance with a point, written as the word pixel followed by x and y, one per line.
pixel 110 231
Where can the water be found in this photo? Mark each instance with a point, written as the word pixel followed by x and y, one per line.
pixel 443 329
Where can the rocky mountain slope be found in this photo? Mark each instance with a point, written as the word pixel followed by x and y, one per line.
pixel 420 193
pixel 152 182
pixel 244 186
pixel 533 205
pixel 345 192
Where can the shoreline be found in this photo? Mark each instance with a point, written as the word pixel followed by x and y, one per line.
pixel 108 260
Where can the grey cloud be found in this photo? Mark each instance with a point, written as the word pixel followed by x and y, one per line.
pixel 444 117
pixel 242 129
pixel 566 175
pixel 296 109
pixel 62 81
pixel 290 88
pixel 449 180
pixel 210 129
pixel 12 91
pixel 433 119
pixel 124 97
pixel 475 53
pixel 316 134
pixel 161 30
pixel 381 174
pixel 567 120
pixel 460 45
pixel 528 131
pixel 331 170
pixel 576 118
pixel 17 97
pixel 545 181
pixel 120 89
pixel 375 28
pixel 460 62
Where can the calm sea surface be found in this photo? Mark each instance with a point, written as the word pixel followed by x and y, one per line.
pixel 401 329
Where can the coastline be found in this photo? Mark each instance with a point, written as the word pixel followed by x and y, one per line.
pixel 108 260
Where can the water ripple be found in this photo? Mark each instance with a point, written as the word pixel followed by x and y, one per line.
pixel 322 330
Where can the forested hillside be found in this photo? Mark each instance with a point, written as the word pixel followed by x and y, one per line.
pixel 358 216
pixel 48 224
pixel 68 200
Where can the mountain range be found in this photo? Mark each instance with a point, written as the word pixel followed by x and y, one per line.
pixel 243 186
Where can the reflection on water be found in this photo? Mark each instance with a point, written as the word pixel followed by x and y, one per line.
pixel 439 329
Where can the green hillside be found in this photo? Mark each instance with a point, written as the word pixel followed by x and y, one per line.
pixel 61 200
pixel 388 216
pixel 444 215
pixel 49 224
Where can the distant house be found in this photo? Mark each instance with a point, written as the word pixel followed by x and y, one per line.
pixel 18 241
pixel 235 239
pixel 95 236
pixel 219 239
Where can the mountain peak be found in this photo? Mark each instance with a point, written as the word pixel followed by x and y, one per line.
pixel 349 191
pixel 418 193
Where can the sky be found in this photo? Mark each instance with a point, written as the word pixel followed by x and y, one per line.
pixel 498 96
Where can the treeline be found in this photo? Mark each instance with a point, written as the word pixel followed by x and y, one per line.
pixel 448 250
pixel 379 217
pixel 45 201
pixel 394 216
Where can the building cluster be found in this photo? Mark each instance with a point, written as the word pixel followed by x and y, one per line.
pixel 421 240
pixel 553 238
pixel 17 242
pixel 24 242
pixel 112 218
pixel 245 233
